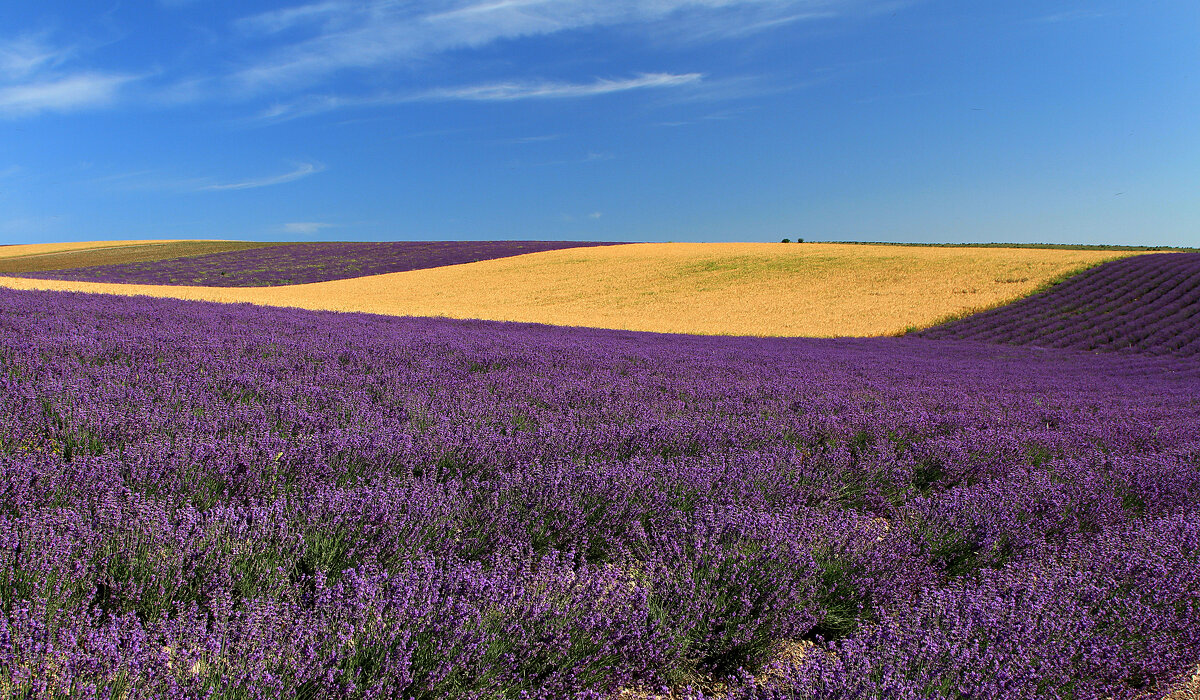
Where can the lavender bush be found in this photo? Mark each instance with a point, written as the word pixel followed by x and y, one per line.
pixel 1146 304
pixel 302 263
pixel 1103 618
pixel 212 501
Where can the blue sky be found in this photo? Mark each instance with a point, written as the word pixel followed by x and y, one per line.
pixel 677 120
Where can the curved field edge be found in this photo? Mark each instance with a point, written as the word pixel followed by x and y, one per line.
pixel 1045 287
pixel 759 289
pixel 42 258
pixel 1147 304
pixel 259 265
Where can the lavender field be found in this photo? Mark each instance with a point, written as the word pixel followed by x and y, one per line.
pixel 214 501
pixel 303 263
pixel 1146 304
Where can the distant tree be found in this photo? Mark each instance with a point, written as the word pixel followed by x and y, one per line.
pixel 798 240
pixel 786 240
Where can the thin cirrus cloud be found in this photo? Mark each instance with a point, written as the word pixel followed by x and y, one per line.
pixel 510 91
pixel 290 51
pixel 301 171
pixel 334 36
pixel 507 91
pixel 306 228
pixel 152 180
pixel 276 21
pixel 26 55
pixel 32 80
pixel 70 93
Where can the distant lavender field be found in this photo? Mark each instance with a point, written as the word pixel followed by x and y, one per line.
pixel 302 263
pixel 207 501
pixel 1147 304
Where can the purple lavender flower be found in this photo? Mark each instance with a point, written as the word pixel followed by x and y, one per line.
pixel 302 263
pixel 203 500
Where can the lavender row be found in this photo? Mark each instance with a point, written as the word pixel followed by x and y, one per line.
pixel 234 501
pixel 1146 304
pixel 302 263
pixel 1119 611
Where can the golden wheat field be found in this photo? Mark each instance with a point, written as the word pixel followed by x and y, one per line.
pixel 767 289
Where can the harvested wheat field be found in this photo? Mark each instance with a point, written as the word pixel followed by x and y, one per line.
pixel 765 289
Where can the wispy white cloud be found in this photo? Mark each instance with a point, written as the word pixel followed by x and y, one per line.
pixel 569 218
pixel 292 50
pixel 32 80
pixel 306 228
pixel 738 21
pixel 276 21
pixel 63 94
pixel 301 171
pixel 10 171
pixel 359 35
pixel 157 181
pixel 510 91
pixel 25 56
